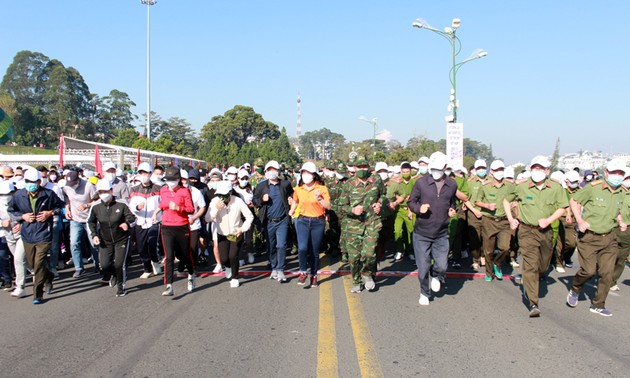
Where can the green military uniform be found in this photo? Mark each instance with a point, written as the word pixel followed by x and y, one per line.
pixel 597 247
pixel 403 226
pixel 361 231
pixel 335 195
pixel 495 229
pixel 474 223
pixel 536 203
pixel 458 223
pixel 567 237
pixel 333 231
pixel 623 237
pixel 386 235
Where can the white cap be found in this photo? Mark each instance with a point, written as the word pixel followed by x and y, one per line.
pixel 145 167
pixel 557 176
pixel 109 165
pixel 616 165
pixel 309 166
pixel 437 160
pixel 242 173
pixel 572 176
pixel 508 172
pixel 223 187
pixel 497 164
pixel 423 159
pixel 246 166
pixel 540 160
pixel 464 170
pixel 380 166
pixel 119 172
pixel 272 164
pixel 103 185
pixel 20 184
pixel 215 171
pixel 415 165
pixel 231 171
pixel 527 174
pixel 396 169
pixel 6 187
pixel 480 163
pixel 183 173
pixel 32 174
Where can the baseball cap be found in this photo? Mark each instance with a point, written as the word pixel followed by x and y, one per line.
pixel 6 187
pixel 32 175
pixel 72 177
pixel 540 160
pixel 103 185
pixel 557 176
pixel 509 172
pixel 616 165
pixel 216 173
pixel 183 174
pixel 480 163
pixel 309 166
pixel 423 159
pixel 145 167
pixel 572 176
pixel 242 173
pixel 231 170
pixel 172 174
pixel 361 161
pixel 381 166
pixel 109 165
pixel 272 164
pixel 223 188
pixel 437 160
pixel 497 164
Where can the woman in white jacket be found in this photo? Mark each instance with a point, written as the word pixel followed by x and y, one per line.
pixel 227 212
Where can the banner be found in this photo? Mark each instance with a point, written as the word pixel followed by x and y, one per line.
pixel 455 144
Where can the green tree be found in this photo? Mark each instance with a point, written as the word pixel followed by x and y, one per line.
pixel 114 114
pixel 556 155
pixel 320 144
pixel 127 138
pixel 241 125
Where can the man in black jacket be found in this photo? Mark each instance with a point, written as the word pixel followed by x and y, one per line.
pixel 33 208
pixel 115 219
pixel 271 197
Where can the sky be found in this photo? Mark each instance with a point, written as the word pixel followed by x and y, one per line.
pixel 555 69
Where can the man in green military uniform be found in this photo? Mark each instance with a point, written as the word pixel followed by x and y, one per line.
pixel 474 220
pixel 335 195
pixel 495 226
pixel 567 236
pixel 398 194
pixel 539 201
pixel 623 237
pixel 600 202
pixel 360 202
pixel 258 172
pixel 333 231
pixel 388 215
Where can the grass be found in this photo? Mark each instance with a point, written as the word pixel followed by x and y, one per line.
pixel 22 150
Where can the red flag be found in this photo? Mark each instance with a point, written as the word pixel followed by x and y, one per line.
pixel 156 162
pixel 62 146
pixel 98 167
pixel 138 162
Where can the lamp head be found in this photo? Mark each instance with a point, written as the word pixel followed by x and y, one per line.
pixel 455 24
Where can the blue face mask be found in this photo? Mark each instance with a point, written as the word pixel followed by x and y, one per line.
pixel 615 180
pixel 482 173
pixel 31 187
pixel 423 170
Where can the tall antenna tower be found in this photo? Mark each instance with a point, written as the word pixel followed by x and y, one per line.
pixel 299 117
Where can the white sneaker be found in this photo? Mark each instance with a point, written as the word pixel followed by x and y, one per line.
pixel 515 264
pixel 168 292
pixel 412 257
pixel 435 284
pixel 369 283
pixel 145 275
pixel 228 273
pixel 280 276
pixel 424 300
pixel 156 268
pixel 241 262
pixel 234 283
pixel 217 269
pixel 250 258
pixel 483 261
pixel 612 288
pixel 398 256
pixel 273 275
pixel 560 269
pixel 191 282
pixel 19 292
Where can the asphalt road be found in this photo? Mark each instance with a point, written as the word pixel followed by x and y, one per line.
pixel 264 329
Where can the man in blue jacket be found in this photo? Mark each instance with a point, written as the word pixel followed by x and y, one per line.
pixel 33 208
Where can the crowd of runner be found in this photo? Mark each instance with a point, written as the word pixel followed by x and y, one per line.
pixel 178 219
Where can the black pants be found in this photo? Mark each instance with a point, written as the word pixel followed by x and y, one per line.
pixel 176 241
pixel 228 253
pixel 147 244
pixel 112 258
pixel 194 249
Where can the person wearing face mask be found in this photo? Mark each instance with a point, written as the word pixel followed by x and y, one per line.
pixel 232 175
pixel 114 219
pixel 386 235
pixel 539 202
pixel 398 195
pixel 144 201
pixel 271 198
pixel 597 246
pixel 157 177
pixel 199 204
pixel 79 196
pixel 423 167
pixel 313 198
pixel 495 226
pixel 361 201
pixel 335 191
pixel 120 188
pixel 215 178
pixel 194 180
pixel 474 213
pixel 175 205
pixel 244 190
pixel 55 248
pixel 567 236
pixel 332 234
pixel 258 173
pixel 10 231
pixel 33 208
pixel 433 200
pixel 623 237
pixel 588 177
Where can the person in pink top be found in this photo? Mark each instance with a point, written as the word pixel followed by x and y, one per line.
pixel 175 205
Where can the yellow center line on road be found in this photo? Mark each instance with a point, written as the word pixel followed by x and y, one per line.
pixel 369 365
pixel 327 364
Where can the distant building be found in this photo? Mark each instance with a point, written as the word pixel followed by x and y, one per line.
pixel 589 160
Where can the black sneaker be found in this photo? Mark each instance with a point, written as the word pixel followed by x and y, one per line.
pixel 534 311
pixel 302 279
pixel 6 285
pixel 121 292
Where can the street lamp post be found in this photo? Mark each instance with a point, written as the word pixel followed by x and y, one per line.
pixel 374 122
pixel 449 34
pixel 148 3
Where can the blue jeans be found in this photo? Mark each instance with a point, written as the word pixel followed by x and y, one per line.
pixel 276 242
pixel 310 232
pixel 55 248
pixel 424 248
pixel 5 254
pixel 77 230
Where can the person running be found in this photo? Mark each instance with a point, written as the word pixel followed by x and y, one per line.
pixel 114 219
pixel 227 212
pixel 175 205
pixel 313 198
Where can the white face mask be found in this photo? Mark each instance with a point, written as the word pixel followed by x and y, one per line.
pixel 307 178
pixel 5 199
pixel 339 176
pixel 105 197
pixel 384 175
pixel 52 178
pixel 243 183
pixel 171 184
pixel 538 176
pixel 498 175
pixel 213 185
pixel 448 172
pixel 574 185
pixel 231 177
pixel 144 179
pixel 271 175
pixel 110 177
pixel 44 182
pixel 626 183
pixel 437 174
